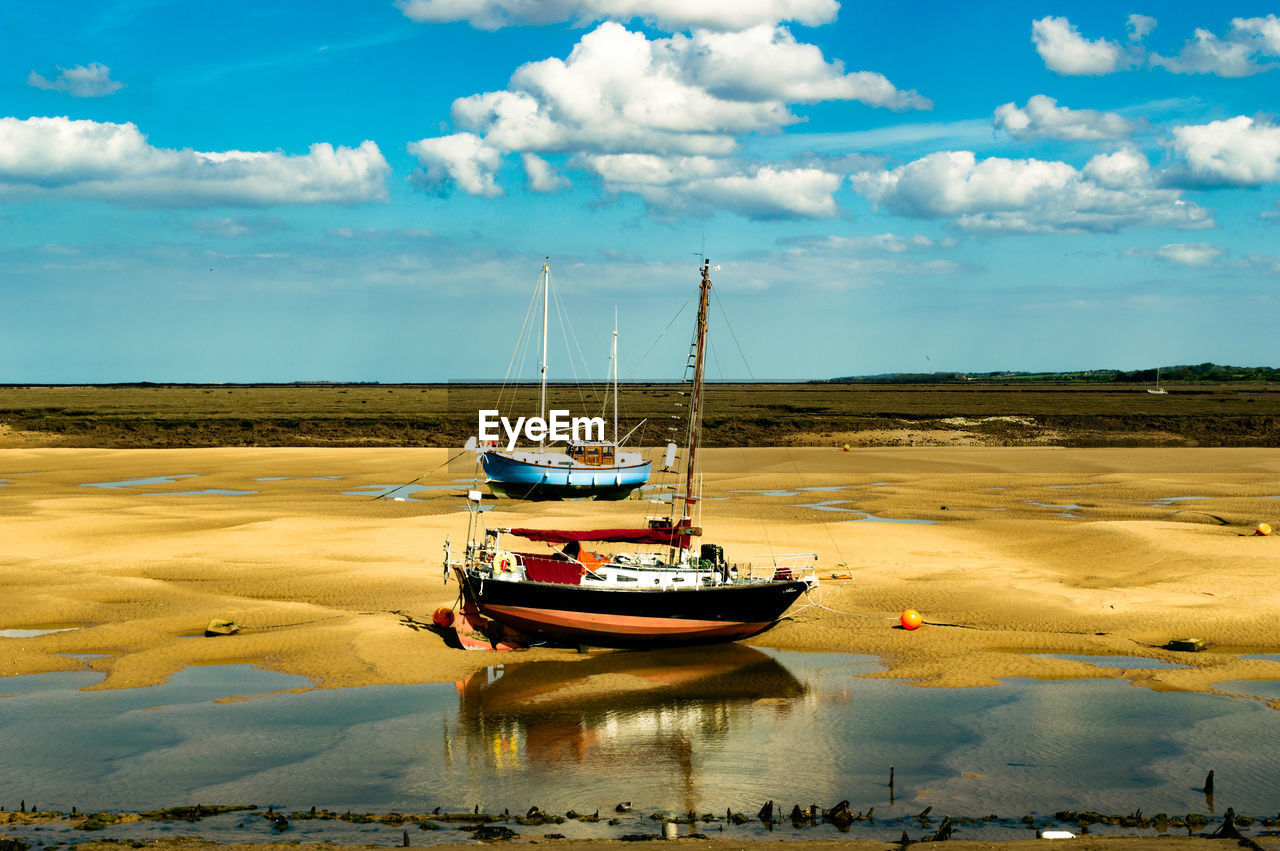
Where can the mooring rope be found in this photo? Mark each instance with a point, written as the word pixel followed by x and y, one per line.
pixel 420 478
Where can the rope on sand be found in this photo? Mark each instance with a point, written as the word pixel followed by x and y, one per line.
pixel 815 604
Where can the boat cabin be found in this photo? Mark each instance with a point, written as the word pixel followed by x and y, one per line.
pixel 592 454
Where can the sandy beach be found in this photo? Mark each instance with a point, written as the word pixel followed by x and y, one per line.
pixel 1012 553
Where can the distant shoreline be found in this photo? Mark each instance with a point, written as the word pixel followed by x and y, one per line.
pixel 316 414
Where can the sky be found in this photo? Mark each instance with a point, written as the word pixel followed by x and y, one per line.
pixel 367 191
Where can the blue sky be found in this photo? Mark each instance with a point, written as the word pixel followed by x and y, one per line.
pixel 366 191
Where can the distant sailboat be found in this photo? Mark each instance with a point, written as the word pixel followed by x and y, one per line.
pixel 1158 390
pixel 586 469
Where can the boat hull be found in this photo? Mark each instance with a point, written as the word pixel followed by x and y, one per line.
pixel 625 617
pixel 513 478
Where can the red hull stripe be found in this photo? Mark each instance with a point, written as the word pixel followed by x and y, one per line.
pixel 623 626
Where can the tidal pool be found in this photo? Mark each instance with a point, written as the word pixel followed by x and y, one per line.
pixel 143 482
pixel 1131 663
pixel 702 729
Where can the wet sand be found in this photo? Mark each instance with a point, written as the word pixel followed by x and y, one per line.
pixel 1031 551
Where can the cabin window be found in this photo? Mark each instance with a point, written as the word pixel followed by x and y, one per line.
pixel 622 578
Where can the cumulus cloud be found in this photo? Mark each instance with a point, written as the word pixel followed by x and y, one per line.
pixel 671 15
pixel 1126 167
pixel 1065 51
pixel 541 176
pixel 1249 47
pixel 1240 53
pixel 1042 117
pixel 767 63
pixel 624 104
pixel 1236 152
pixel 999 195
pixel 462 160
pixel 82 81
pixel 115 163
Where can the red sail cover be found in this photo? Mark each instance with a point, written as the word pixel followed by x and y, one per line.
pixel 677 536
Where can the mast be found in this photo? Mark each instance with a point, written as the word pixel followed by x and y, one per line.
pixel 695 404
pixel 613 360
pixel 542 365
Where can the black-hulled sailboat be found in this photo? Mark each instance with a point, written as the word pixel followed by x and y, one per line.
pixel 665 596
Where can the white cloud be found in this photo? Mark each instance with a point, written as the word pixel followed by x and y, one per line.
pixel 1042 117
pixel 1193 254
pixel 766 62
pixel 890 243
pixel 629 170
pixel 1065 51
pixel 672 15
pixel 999 195
pixel 462 159
pixel 82 81
pixel 1238 54
pixel 1236 152
pixel 673 186
pixel 672 107
pixel 235 227
pixel 1120 169
pixel 115 163
pixel 541 175
pixel 1139 26
pixel 834 262
pixel 768 193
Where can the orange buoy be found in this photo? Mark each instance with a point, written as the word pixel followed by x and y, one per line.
pixel 844 448
pixel 443 617
pixel 1263 529
pixel 911 619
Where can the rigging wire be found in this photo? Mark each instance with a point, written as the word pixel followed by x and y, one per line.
pixel 518 352
pixel 791 458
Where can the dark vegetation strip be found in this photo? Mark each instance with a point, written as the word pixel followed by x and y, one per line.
pixel 765 414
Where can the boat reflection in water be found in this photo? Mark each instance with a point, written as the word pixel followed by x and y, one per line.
pixel 648 716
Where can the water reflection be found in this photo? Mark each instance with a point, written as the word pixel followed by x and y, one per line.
pixel 700 728
pixel 649 715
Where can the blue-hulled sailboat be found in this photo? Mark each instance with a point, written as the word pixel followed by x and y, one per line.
pixel 583 469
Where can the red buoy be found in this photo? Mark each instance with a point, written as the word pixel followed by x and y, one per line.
pixel 443 617
pixel 911 619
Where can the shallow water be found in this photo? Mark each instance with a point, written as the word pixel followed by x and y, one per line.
pixel 1263 689
pixel 32 633
pixel 143 482
pixel 399 493
pixel 1131 663
pixel 701 729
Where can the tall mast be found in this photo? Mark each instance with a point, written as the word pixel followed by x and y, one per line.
pixel 613 360
pixel 695 404
pixel 546 292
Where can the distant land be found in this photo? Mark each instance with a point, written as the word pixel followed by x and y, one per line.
pixel 1204 373
pixel 1203 405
